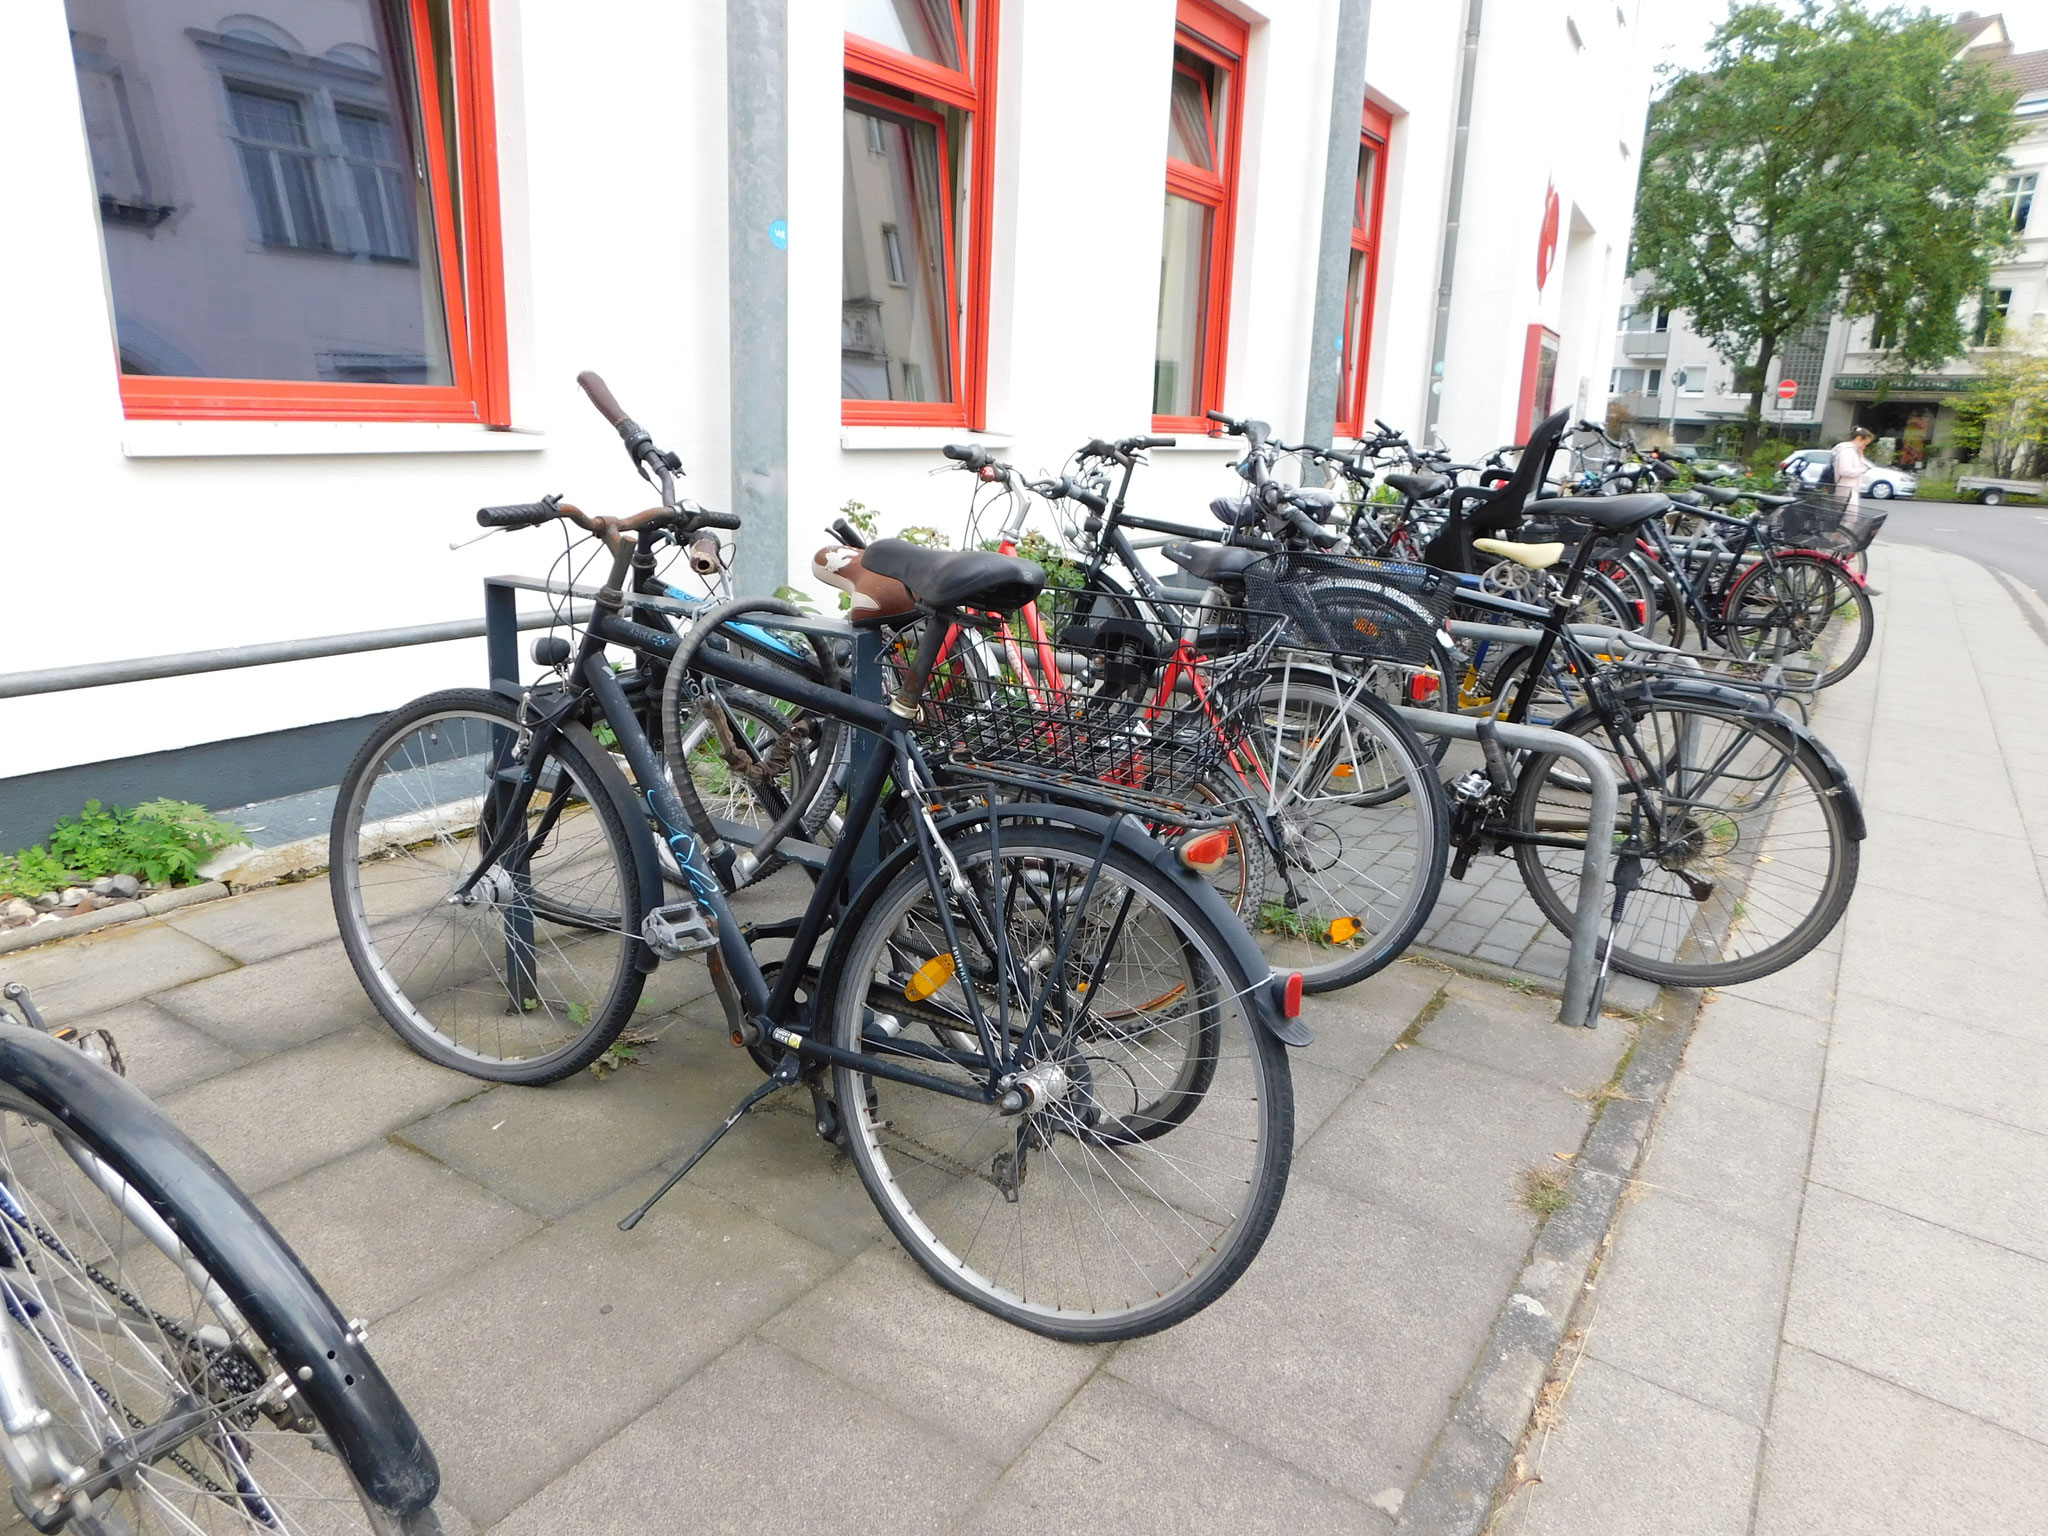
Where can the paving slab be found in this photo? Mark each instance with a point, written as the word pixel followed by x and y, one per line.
pixel 98 971
pixel 1971 1066
pixel 1690 1300
pixel 1909 952
pixel 1481 1023
pixel 287 1114
pixel 1354 1028
pixel 273 1005
pixel 876 1325
pixel 708 1459
pixel 533 1360
pixel 1735 1154
pixel 385 1225
pixel 1855 1456
pixel 259 924
pixel 1950 1317
pixel 1118 1459
pixel 1629 1457
pixel 161 1054
pixel 1950 866
pixel 1446 1140
pixel 1769 1052
pixel 775 1165
pixel 1351 1316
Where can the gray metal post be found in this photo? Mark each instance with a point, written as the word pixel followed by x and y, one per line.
pixel 757 284
pixel 1333 263
pixel 1454 205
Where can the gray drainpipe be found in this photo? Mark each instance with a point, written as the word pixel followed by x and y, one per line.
pixel 1333 263
pixel 757 284
pixel 1453 216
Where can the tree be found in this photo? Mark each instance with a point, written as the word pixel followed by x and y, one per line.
pixel 2004 421
pixel 1826 161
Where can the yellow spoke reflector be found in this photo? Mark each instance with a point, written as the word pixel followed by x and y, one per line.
pixel 931 976
pixel 1343 771
pixel 1343 928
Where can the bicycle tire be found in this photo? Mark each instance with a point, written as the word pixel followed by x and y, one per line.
pixel 906 1141
pixel 419 841
pixel 685 745
pixel 1665 921
pixel 144 1290
pixel 1385 823
pixel 1808 593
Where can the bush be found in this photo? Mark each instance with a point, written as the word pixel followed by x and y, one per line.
pixel 161 841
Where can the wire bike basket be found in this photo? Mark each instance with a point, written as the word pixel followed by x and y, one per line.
pixel 1381 610
pixel 1125 703
pixel 1825 523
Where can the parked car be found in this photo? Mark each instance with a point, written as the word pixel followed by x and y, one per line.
pixel 1880 483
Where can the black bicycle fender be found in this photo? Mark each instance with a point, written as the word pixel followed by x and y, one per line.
pixel 646 858
pixel 327 1361
pixel 1266 1001
pixel 1703 692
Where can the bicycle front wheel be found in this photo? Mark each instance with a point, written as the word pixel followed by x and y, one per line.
pixel 175 1410
pixel 1150 1169
pixel 1728 821
pixel 527 972
pixel 1804 610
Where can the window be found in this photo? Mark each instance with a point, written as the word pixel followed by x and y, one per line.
pixel 1626 381
pixel 2019 198
pixel 1366 204
pixel 1663 319
pixel 1203 117
pixel 1655 384
pixel 298 210
pixel 1539 379
pixel 1884 335
pixel 1992 309
pixel 920 85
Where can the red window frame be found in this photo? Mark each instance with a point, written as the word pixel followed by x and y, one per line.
pixel 473 289
pixel 973 91
pixel 1529 410
pixel 1220 39
pixel 1374 134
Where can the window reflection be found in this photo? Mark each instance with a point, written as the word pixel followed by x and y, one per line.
pixel 1195 128
pixel 1183 295
pixel 896 324
pixel 920 28
pixel 263 192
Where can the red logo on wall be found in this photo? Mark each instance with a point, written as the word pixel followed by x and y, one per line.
pixel 1546 238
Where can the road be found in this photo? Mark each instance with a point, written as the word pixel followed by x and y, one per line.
pixel 2011 539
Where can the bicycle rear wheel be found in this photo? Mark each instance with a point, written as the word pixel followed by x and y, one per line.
pixel 1801 609
pixel 1147 1176
pixel 1729 820
pixel 156 1384
pixel 531 974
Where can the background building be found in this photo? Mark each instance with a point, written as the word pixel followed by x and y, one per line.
pixel 309 283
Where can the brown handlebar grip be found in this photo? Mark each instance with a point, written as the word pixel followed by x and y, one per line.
pixel 601 397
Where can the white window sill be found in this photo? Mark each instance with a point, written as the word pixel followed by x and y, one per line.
pixel 863 439
pixel 314 439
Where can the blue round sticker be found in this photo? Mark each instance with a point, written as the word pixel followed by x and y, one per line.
pixel 778 234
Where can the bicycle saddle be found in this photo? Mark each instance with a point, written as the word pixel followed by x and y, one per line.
pixel 1719 495
pixel 875 597
pixel 1538 557
pixel 1417 487
pixel 1763 500
pixel 955 578
pixel 1211 562
pixel 1613 513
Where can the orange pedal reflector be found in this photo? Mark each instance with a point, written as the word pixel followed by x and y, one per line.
pixel 930 976
pixel 1343 928
pixel 1206 854
pixel 1290 997
pixel 1343 771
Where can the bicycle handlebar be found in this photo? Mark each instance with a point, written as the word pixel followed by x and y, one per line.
pixel 1066 488
pixel 526 514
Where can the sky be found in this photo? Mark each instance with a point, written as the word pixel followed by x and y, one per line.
pixel 1681 26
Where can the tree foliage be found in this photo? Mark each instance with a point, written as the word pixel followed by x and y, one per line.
pixel 2004 421
pixel 1828 160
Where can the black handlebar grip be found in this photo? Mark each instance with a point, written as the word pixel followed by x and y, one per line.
pixel 1089 499
pixel 703 519
pixel 848 534
pixel 1098 449
pixel 1219 417
pixel 527 514
pixel 1157 442
pixel 970 454
pixel 601 397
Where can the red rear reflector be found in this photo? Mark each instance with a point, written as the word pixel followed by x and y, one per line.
pixel 1423 686
pixel 1290 997
pixel 1206 854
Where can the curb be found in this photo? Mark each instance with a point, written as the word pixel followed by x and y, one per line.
pixel 34 934
pixel 1471 1453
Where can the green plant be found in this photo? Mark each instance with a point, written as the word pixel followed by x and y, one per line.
pixel 622 1052
pixel 930 538
pixel 861 516
pixel 161 841
pixel 1545 1191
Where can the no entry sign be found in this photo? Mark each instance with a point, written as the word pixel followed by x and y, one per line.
pixel 1787 388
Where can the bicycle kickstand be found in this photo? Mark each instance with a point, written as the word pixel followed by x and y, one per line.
pixel 786 1072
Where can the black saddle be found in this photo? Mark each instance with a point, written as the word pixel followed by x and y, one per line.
pixel 1219 563
pixel 1613 513
pixel 1719 495
pixel 1417 487
pixel 956 578
pixel 1771 501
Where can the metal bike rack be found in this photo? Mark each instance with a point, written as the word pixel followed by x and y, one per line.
pixel 1581 1002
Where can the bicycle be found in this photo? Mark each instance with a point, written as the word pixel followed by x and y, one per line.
pixel 166 1362
pixel 1054 1056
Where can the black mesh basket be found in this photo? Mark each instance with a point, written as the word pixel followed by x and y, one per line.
pixel 1826 523
pixel 1108 709
pixel 1378 609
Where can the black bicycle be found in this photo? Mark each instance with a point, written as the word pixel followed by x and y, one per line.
pixel 1052 1052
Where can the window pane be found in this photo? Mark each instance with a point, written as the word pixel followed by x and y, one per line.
pixel 1198 115
pixel 920 28
pixel 282 229
pixel 1183 295
pixel 896 315
pixel 1357 342
pixel 1368 168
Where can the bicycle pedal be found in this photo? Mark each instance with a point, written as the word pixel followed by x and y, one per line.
pixel 679 928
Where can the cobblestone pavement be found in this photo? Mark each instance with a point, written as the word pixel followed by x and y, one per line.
pixel 759 1355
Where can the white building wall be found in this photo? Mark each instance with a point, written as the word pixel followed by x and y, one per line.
pixel 135 538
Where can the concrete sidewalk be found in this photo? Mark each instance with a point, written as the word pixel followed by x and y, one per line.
pixel 759 1355
pixel 1823 1306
